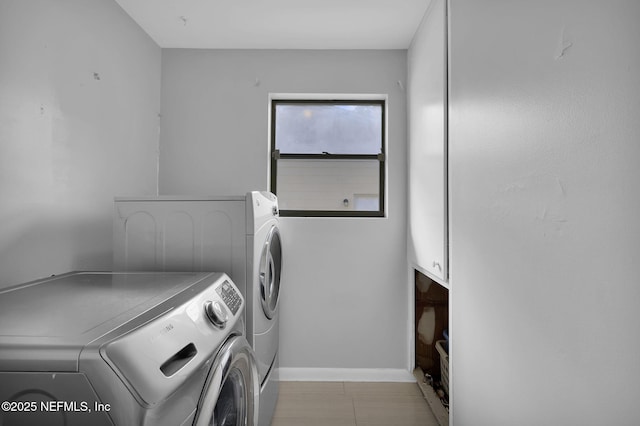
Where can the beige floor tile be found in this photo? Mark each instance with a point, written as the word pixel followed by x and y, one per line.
pixel 332 388
pixel 392 410
pixel 382 388
pixel 351 404
pixel 303 421
pixel 316 407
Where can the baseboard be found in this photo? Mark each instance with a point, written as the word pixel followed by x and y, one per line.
pixel 345 375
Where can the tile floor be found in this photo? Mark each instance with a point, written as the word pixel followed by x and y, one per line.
pixel 351 404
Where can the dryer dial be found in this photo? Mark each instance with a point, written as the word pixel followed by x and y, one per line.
pixel 216 313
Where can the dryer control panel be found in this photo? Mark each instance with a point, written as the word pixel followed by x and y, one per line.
pixel 230 297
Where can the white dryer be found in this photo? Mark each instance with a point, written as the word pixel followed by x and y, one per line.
pixel 126 349
pixel 264 268
pixel 238 235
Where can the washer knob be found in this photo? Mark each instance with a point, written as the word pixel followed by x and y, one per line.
pixel 216 313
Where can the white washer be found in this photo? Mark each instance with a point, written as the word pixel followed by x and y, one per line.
pixel 161 349
pixel 237 235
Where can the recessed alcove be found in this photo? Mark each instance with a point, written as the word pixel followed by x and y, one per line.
pixel 431 331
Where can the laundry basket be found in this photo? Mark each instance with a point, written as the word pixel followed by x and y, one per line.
pixel 444 364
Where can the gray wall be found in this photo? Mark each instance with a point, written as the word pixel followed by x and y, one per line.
pixel 544 207
pixel 80 85
pixel 344 301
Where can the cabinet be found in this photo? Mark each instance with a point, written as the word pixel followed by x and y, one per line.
pixel 427 105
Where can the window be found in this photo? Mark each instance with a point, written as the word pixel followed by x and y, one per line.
pixel 327 157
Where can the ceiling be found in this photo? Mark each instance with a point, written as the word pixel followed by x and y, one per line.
pixel 278 24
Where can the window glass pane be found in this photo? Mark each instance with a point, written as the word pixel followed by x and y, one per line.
pixel 334 128
pixel 328 185
pixel 366 202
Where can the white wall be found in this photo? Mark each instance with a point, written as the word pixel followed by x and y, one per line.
pixel 344 300
pixel 80 85
pixel 544 206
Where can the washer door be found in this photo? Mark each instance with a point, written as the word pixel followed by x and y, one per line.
pixel 269 273
pixel 232 391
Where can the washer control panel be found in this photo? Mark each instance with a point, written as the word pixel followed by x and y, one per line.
pixel 216 313
pixel 156 352
pixel 230 296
